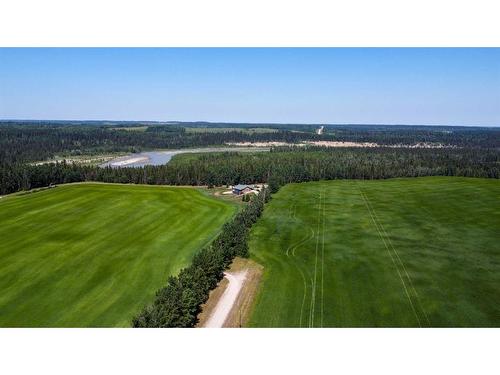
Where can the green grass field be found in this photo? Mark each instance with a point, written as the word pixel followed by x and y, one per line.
pixel 394 253
pixel 93 255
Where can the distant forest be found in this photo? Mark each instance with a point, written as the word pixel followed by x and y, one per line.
pixel 475 153
pixel 24 143
pixel 35 141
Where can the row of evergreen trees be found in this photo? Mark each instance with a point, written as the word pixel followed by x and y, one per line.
pixel 179 302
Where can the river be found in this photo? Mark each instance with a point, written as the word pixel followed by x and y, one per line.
pixel 163 157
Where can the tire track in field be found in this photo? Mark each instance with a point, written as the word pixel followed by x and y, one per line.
pixel 292 214
pixel 365 199
pixel 291 249
pixel 310 237
pixel 304 295
pixel 323 261
pixel 404 269
pixel 314 282
pixel 412 287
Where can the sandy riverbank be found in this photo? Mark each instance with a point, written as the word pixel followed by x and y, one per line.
pixel 338 144
pixel 128 161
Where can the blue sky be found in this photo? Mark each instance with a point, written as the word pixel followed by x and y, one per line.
pixel 326 85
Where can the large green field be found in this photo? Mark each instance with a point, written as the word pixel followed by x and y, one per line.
pixel 394 253
pixel 93 255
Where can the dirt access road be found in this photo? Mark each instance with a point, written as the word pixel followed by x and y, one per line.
pixel 230 303
pixel 227 300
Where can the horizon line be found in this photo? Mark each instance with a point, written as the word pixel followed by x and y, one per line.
pixel 172 122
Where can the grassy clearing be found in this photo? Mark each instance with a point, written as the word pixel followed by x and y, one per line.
pixel 132 128
pixel 395 253
pixel 226 130
pixel 93 255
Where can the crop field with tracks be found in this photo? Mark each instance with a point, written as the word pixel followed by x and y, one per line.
pixel 93 255
pixel 420 252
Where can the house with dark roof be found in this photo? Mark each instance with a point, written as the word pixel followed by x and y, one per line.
pixel 242 189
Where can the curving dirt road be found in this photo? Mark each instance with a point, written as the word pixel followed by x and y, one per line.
pixel 227 300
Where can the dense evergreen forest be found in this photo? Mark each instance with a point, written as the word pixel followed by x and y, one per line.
pixel 475 152
pixel 30 142
pixel 21 142
pixel 277 167
pixel 409 135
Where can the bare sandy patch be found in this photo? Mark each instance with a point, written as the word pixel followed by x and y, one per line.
pixel 305 143
pixel 227 300
pixel 422 145
pixel 128 161
pixel 78 160
pixel 341 144
pixel 263 144
pixel 229 305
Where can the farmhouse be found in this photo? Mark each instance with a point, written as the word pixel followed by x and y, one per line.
pixel 242 189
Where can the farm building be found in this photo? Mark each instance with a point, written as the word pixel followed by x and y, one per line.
pixel 242 189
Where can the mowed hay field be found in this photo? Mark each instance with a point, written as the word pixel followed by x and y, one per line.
pixel 93 255
pixel 421 252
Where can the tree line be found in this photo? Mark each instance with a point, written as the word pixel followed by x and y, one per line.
pixel 179 302
pixel 278 167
